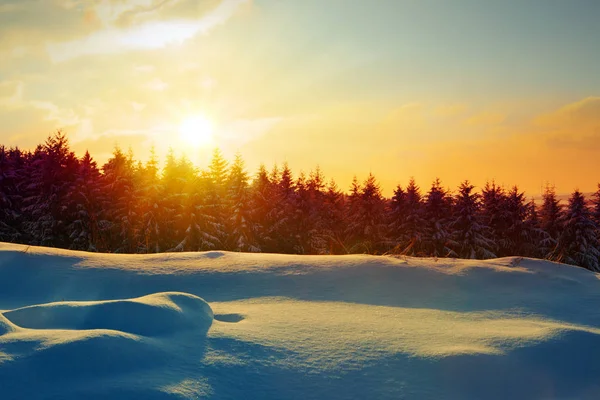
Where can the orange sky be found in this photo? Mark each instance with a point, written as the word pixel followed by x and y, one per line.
pixel 389 87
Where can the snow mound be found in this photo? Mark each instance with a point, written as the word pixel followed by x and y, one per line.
pixel 153 315
pixel 5 325
pixel 294 327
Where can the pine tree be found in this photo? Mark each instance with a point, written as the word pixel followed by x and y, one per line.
pixel 12 168
pixel 517 236
pixel 150 210
pixel 51 176
pixel 117 227
pixel 538 239
pixel 215 199
pixel 578 244
pixel 86 198
pixel 494 214
pixel 437 214
pixel 412 225
pixel 395 217
pixel 282 213
pixel 198 225
pixel 550 216
pixel 333 204
pixel 318 240
pixel 261 193
pixel 470 237
pixel 366 218
pixel 596 206
pixel 240 228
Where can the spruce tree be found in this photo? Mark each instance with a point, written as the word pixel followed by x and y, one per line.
pixel 261 195
pixel 517 236
pixel 395 217
pixel 366 218
pixel 117 226
pixel 334 206
pixel 150 210
pixel 241 232
pixel 538 239
pixel 282 213
pixel 86 198
pixel 577 243
pixel 596 206
pixel 550 216
pixel 471 238
pixel 413 225
pixel 12 169
pixel 50 179
pixel 437 215
pixel 494 214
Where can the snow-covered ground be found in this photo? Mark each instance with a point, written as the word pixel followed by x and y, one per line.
pixel 258 326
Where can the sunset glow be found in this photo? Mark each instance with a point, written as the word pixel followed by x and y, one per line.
pixel 197 131
pixel 401 93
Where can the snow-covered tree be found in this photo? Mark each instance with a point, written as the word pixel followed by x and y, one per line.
pixel 437 217
pixel 550 213
pixel 538 239
pixel 470 237
pixel 413 225
pixel 50 179
pixel 366 218
pixel 494 214
pixel 12 169
pixel 120 209
pixel 282 213
pixel 150 212
pixel 517 236
pixel 596 206
pixel 86 198
pixel 578 243
pixel 334 205
pixel 240 225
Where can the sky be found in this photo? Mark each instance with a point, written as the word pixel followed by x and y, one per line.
pixel 456 89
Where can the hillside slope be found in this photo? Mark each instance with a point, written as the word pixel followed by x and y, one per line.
pixel 261 326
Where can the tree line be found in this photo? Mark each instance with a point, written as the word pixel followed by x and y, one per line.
pixel 50 197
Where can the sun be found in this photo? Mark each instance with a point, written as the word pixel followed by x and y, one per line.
pixel 196 131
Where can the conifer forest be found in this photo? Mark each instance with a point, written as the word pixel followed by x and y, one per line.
pixel 51 197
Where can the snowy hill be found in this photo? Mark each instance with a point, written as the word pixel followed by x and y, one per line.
pixel 259 326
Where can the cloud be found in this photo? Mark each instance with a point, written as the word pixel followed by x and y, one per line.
pixel 129 17
pixel 63 116
pixel 575 126
pixel 581 114
pixel 145 36
pixel 11 94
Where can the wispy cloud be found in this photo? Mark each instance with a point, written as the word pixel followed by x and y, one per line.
pixel 585 112
pixel 149 35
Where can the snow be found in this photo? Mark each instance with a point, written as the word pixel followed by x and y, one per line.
pixel 226 325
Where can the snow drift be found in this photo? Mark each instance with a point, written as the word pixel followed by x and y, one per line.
pixel 78 325
pixel 152 315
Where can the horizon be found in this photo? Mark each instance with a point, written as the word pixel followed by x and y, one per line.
pixel 395 89
pixel 386 192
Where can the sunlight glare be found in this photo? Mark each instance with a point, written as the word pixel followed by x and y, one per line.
pixel 196 131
